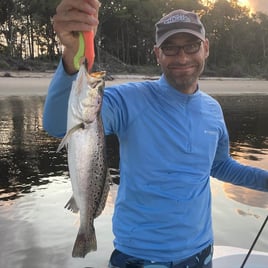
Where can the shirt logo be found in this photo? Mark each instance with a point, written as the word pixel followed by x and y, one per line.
pixel 177 18
pixel 210 132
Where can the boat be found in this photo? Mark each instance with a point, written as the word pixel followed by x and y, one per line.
pixel 233 257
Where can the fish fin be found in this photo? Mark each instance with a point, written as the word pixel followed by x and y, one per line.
pixel 72 205
pixel 64 141
pixel 84 243
pixel 109 177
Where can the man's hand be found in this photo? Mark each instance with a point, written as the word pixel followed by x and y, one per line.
pixel 72 17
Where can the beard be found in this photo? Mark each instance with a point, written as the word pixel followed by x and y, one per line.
pixel 184 81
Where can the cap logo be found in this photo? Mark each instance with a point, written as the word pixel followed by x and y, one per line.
pixel 177 18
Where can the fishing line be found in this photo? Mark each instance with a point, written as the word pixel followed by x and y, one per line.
pixel 254 242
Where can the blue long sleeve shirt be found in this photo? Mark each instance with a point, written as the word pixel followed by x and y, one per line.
pixel 170 145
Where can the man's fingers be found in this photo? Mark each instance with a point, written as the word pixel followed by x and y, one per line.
pixel 80 15
pixel 72 27
pixel 75 15
pixel 74 20
pixel 90 7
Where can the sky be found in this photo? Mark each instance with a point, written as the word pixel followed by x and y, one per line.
pixel 254 5
pixel 259 5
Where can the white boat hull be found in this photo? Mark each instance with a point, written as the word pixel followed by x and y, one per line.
pixel 232 257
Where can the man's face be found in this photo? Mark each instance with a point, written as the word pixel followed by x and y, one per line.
pixel 183 67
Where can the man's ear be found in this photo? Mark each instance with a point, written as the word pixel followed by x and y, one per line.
pixel 206 48
pixel 156 52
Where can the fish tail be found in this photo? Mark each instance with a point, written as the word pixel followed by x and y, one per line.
pixel 84 243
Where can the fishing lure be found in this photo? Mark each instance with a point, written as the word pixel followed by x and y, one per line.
pixel 86 50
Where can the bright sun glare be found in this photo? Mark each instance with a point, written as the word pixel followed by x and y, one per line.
pixel 243 3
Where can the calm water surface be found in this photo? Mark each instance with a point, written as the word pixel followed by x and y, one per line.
pixel 35 230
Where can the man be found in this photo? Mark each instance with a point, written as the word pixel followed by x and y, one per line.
pixel 172 138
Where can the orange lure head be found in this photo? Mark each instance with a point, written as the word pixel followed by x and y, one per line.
pixel 89 49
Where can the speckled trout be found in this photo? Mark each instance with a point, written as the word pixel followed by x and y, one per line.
pixel 85 144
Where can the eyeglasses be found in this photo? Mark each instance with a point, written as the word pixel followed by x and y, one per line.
pixel 170 50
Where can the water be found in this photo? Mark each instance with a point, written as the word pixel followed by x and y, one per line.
pixel 35 230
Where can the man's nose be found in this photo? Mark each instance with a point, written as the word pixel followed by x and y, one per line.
pixel 181 55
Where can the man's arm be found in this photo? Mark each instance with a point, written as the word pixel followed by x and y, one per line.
pixel 227 169
pixel 233 172
pixel 71 17
pixel 56 104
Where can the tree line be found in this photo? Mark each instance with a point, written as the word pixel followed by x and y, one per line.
pixel 238 39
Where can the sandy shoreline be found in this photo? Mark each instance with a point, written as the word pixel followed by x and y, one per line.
pixel 36 84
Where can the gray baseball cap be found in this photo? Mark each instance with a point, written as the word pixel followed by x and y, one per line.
pixel 179 21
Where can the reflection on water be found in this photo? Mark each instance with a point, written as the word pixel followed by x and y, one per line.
pixel 246 196
pixel 30 167
pixel 27 155
pixel 246 119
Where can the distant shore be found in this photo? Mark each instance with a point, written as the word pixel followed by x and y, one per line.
pixel 36 83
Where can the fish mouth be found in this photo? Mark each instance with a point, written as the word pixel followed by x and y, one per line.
pixel 96 79
pixel 98 75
